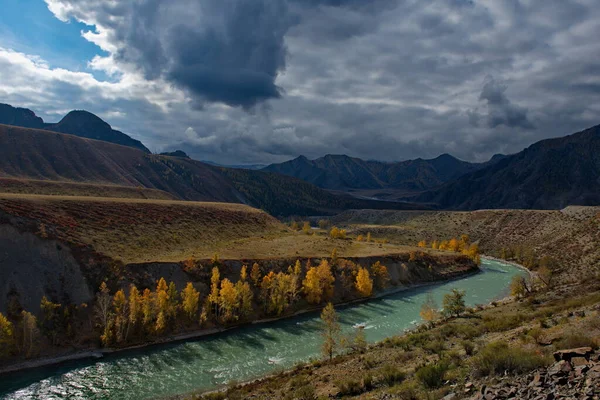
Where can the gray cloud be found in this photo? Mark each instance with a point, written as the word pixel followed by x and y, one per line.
pixel 501 111
pixel 385 79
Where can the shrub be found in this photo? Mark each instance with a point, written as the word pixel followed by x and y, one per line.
pixel 435 347
pixel 306 392
pixel 500 323
pixel 408 390
pixel 349 387
pixel 499 358
pixel 368 382
pixel 392 375
pixel 574 340
pixel 469 347
pixel 432 375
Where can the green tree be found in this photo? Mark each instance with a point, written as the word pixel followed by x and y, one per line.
pixel 29 334
pixel 331 331
pixel 454 303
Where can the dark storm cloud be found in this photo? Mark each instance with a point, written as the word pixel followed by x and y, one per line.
pixel 378 79
pixel 501 111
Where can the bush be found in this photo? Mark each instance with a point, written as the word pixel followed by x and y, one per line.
pixel 435 347
pixel 349 387
pixel 368 382
pixel 574 340
pixel 500 323
pixel 469 347
pixel 499 358
pixel 392 375
pixel 432 375
pixel 407 391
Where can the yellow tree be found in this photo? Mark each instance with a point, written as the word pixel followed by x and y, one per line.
pixel 306 227
pixel 173 302
pixel 444 245
pixel 190 299
pixel 326 279
pixel 435 245
pixel 255 275
pixel 245 298
pixel 148 308
pixel 312 287
pixel 162 302
pixel 429 309
pixel 7 339
pixel 103 313
pixel 135 307
pixel 266 288
pixel 29 334
pixel 162 298
pixel 364 284
pixel 334 232
pixel 454 245
pixel 334 257
pixel 342 234
pixel 213 296
pixel 422 243
pixel 120 307
pixel 368 236
pixel 244 273
pixel 295 281
pixel 331 331
pixel 227 301
pixel 360 238
pixel 161 323
pixel 380 274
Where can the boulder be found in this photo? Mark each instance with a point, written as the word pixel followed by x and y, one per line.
pixel 570 353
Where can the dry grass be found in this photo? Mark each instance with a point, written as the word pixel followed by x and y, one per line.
pixel 63 188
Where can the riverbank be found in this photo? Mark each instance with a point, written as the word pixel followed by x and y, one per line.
pixel 95 353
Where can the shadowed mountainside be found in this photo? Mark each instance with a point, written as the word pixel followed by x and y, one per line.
pixel 550 174
pixel 341 172
pixel 78 122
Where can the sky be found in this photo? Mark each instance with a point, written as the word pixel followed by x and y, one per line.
pixel 262 81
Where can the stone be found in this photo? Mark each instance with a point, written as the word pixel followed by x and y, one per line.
pixel 579 361
pixel 570 353
pixel 449 396
pixel 559 368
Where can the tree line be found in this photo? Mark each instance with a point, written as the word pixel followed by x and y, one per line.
pixel 131 315
pixel 461 245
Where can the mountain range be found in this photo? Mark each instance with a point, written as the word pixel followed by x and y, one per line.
pixel 341 172
pixel 549 174
pixel 78 122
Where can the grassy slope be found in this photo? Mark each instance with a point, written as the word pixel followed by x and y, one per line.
pixel 62 188
pixel 135 230
pixel 570 235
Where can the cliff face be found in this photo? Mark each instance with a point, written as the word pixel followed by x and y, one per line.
pixel 32 268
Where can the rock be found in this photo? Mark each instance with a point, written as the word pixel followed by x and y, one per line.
pixel 560 368
pixel 570 353
pixel 537 380
pixel 450 396
pixel 578 361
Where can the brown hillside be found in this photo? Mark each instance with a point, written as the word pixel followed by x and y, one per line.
pixel 64 188
pixel 571 235
pixel 42 155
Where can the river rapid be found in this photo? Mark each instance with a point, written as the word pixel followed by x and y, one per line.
pixel 240 354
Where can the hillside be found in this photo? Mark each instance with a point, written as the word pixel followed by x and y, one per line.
pixel 340 172
pixel 549 174
pixel 38 155
pixel 570 235
pixel 79 123
pixel 43 155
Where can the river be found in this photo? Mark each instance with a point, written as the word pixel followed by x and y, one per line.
pixel 240 354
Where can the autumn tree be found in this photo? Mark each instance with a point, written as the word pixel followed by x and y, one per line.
pixel 334 232
pixel 472 252
pixel 360 238
pixel 326 279
pixel 103 313
pixel 435 245
pixel 173 301
pixel 422 243
pixel 334 257
pixel 519 286
pixel 544 273
pixel 50 323
pixel 295 281
pixel 444 245
pixel 312 287
pixel 135 308
pixel 331 331
pixel 381 277
pixel 244 273
pixel 162 306
pixel 213 296
pixel 364 284
pixel 306 227
pixel 227 301
pixel 148 308
pixel 7 338
pixel 255 275
pixel 29 334
pixel 294 225
pixel 454 245
pixel 245 295
pixel 323 224
pixel 429 309
pixel 369 237
pixel 121 315
pixel 454 303
pixel 190 299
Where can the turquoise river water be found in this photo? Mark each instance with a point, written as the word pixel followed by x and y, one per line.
pixel 240 354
